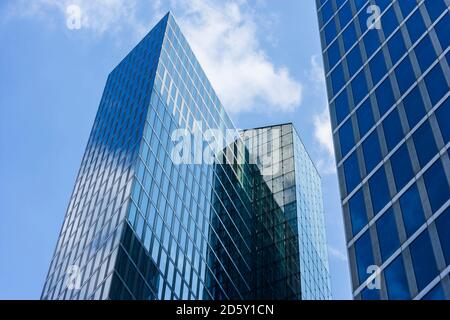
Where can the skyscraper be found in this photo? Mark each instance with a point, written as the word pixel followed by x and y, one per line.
pixel 387 74
pixel 148 220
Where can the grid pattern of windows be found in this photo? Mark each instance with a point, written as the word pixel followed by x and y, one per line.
pixel 291 256
pixel 388 105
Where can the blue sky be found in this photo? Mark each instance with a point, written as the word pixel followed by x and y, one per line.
pixel 262 56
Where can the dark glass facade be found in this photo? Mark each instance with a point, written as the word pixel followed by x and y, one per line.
pixel 388 83
pixel 140 226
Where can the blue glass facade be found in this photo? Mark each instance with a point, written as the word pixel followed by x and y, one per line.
pixel 388 88
pixel 140 226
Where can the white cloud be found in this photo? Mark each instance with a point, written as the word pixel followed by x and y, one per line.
pixel 337 254
pixel 224 37
pixel 223 34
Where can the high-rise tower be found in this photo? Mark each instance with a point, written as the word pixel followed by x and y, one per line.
pixel 388 77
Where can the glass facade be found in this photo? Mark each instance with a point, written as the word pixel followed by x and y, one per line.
pixel 140 226
pixel 388 82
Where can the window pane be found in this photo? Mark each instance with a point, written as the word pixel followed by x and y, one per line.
pixel 425 53
pixel 371 42
pixel 349 36
pixel 396 282
pixel 341 106
pixel 416 26
pixel 443 31
pixel 364 255
pixel 443 227
pixel 423 260
pixel 414 107
pixel 396 47
pixel 401 167
pixel 437 185
pixel 379 191
pixel 354 61
pixel 330 31
pixel 435 8
pixel 357 209
pixel 393 132
pixel 359 87
pixel 424 143
pixel 333 54
pixel 405 75
pixel 385 96
pixel 387 234
pixel 406 7
pixel 412 212
pixel 346 138
pixel 377 67
pixel 436 84
pixel 351 171
pixel 337 78
pixel 345 14
pixel 365 117
pixel 372 152
pixel 389 22
pixel 442 116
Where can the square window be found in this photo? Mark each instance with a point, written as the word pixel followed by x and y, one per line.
pixel 393 132
pixel 423 260
pixel 396 47
pixel 425 145
pixel 337 78
pixel 346 138
pixel 365 117
pixel 364 255
pixel 387 234
pixel 436 84
pixel 354 61
pixel 357 210
pixel 442 116
pixel 371 42
pixel 349 36
pixel 415 25
pixel 351 172
pixel 372 152
pixel 396 282
pixel 405 75
pixel 377 67
pixel 401 167
pixel 379 190
pixel 425 53
pixel 443 31
pixel 341 106
pixel 385 96
pixel 359 87
pixel 437 185
pixel 443 226
pixel 435 8
pixel 412 212
pixel 414 107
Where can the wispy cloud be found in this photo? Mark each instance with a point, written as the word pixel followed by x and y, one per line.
pixel 225 36
pixel 337 254
pixel 321 121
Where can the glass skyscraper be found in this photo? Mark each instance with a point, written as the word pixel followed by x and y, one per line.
pixel 141 226
pixel 388 76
